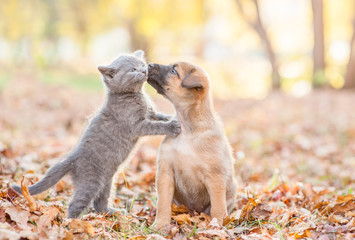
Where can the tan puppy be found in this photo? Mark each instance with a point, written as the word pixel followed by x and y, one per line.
pixel 195 168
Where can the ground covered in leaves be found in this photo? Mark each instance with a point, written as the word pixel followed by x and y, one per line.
pixel 295 162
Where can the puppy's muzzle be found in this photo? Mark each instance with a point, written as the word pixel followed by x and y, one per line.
pixel 155 77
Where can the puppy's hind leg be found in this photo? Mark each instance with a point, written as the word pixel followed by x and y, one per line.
pixel 85 192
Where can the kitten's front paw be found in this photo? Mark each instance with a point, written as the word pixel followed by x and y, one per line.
pixel 164 118
pixel 174 128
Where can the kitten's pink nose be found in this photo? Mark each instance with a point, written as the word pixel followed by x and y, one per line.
pixel 144 71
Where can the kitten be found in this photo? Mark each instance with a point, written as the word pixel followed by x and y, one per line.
pixel 109 137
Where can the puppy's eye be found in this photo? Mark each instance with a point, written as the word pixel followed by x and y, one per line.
pixel 173 71
pixel 133 69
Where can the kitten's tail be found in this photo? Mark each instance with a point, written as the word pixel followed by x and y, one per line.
pixel 53 175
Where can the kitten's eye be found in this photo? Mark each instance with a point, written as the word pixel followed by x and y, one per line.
pixel 133 69
pixel 173 71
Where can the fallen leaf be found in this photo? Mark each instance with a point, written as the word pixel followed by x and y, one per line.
pixel 61 185
pixel 18 215
pixel 123 222
pixel 262 211
pixel 178 210
pixel 6 234
pixel 68 236
pixel 11 194
pixel 46 219
pixel 79 226
pixel 26 194
pixel 139 237
pixel 182 219
pixel 2 215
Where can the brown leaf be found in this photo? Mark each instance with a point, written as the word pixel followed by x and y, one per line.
pixel 2 215
pixel 46 219
pixel 181 219
pixel 255 209
pixel 345 199
pixel 11 194
pixel 68 236
pixel 304 234
pixel 178 210
pixel 79 226
pixel 123 222
pixel 26 194
pixel 18 215
pixel 343 204
pixel 61 185
pixel 262 211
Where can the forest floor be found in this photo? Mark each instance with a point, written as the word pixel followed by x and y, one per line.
pixel 295 163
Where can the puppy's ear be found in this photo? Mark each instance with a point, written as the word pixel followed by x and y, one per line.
pixel 139 53
pixel 107 71
pixel 192 81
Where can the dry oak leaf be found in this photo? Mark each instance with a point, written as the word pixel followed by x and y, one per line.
pixel 46 219
pixel 178 210
pixel 79 226
pixel 18 215
pixel 181 219
pixel 343 204
pixel 262 211
pixel 26 194
pixel 255 209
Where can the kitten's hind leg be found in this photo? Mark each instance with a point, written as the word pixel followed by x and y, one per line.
pixel 101 200
pixel 85 192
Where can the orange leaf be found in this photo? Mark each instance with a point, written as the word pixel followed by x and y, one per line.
pixel 80 226
pixel 46 219
pixel 181 219
pixel 26 194
pixel 177 210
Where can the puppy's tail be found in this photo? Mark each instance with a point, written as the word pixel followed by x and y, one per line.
pixel 53 175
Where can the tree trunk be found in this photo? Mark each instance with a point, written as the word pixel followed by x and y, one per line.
pixel 318 49
pixel 259 28
pixel 350 69
pixel 138 41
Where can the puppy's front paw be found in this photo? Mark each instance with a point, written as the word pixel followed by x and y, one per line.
pixel 174 128
pixel 161 227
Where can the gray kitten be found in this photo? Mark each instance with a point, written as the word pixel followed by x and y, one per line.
pixel 110 136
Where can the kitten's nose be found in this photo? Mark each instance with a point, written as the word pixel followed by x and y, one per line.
pixel 144 71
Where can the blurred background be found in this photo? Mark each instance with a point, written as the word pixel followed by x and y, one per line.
pixel 248 47
pixel 281 72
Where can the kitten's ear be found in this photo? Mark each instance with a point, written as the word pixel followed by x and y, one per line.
pixel 107 71
pixel 139 53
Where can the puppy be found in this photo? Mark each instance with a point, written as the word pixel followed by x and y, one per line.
pixel 196 167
